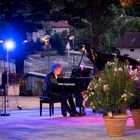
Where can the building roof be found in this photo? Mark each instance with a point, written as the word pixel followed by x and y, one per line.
pixel 59 24
pixel 130 40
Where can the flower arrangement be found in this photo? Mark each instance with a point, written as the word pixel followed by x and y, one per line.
pixel 15 79
pixel 113 90
pixel 138 75
pixel 135 102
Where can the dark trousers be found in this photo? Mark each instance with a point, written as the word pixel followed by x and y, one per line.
pixel 79 100
pixel 63 97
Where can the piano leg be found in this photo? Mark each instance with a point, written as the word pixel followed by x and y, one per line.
pixel 71 103
pixel 80 110
pixel 40 108
pixel 52 108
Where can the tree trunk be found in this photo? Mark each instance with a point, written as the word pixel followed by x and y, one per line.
pixel 95 15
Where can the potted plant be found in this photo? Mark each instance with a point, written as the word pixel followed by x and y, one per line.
pixel 15 84
pixel 135 102
pixel 111 93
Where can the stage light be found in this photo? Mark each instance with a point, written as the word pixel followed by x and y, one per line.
pixel 1 41
pixel 71 37
pixel 25 41
pixel 45 39
pixel 83 49
pixel 9 45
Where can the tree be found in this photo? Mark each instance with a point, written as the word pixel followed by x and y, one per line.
pixel 57 42
pixel 133 25
pixel 23 16
pixel 79 13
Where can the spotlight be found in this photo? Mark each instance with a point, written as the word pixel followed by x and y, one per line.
pixel 9 45
pixel 25 41
pixel 71 37
pixel 83 49
pixel 1 41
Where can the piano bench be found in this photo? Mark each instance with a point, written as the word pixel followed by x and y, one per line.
pixel 45 99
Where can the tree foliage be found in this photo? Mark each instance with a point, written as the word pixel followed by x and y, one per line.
pixel 58 41
pixel 79 13
pixel 132 25
pixel 24 15
pixel 20 16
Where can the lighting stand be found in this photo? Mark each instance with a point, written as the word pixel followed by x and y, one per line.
pixel 6 91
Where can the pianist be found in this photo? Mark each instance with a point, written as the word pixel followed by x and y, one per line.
pixel 53 92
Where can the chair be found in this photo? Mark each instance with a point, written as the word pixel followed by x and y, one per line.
pixel 45 99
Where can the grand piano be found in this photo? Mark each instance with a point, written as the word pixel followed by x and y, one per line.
pixel 80 79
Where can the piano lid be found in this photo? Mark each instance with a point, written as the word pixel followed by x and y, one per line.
pixel 100 59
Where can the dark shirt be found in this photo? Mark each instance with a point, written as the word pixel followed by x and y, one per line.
pixel 51 83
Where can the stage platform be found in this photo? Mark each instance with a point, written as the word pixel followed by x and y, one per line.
pixel 26 124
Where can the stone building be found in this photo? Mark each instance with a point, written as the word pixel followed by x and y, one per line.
pixel 130 45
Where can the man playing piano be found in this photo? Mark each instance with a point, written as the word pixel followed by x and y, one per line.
pixel 53 91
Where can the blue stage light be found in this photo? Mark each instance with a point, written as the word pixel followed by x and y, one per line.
pixel 1 41
pixel 9 45
pixel 25 41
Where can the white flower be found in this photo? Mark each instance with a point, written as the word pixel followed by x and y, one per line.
pixel 110 114
pixel 86 98
pixel 133 72
pixel 136 78
pixel 115 69
pixel 100 80
pixel 125 99
pixel 130 67
pixel 95 86
pixel 113 63
pixel 106 87
pixel 91 104
pixel 120 69
pixel 89 86
pixel 124 95
pixel 92 93
pixel 109 63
